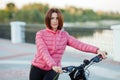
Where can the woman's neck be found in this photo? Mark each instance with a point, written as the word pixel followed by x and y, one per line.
pixel 54 30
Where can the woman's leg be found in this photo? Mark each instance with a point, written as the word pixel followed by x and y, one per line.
pixel 36 73
pixel 51 75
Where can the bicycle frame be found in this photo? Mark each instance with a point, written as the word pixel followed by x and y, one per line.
pixel 79 72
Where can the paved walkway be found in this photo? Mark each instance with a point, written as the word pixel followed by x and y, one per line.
pixel 15 62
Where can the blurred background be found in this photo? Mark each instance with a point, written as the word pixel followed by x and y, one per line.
pixel 89 21
pixel 77 14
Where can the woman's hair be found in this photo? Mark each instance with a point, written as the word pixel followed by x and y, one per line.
pixel 48 18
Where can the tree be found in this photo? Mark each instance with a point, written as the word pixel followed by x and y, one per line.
pixel 10 7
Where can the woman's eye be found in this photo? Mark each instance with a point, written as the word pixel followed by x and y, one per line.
pixel 54 18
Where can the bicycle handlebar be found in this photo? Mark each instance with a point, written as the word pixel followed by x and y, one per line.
pixel 86 62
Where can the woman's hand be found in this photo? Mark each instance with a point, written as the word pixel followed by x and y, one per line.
pixel 103 53
pixel 57 69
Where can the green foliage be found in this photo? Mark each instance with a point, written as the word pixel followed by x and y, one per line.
pixel 3 16
pixel 34 13
pixel 89 15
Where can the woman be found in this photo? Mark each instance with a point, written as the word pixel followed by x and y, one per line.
pixel 51 43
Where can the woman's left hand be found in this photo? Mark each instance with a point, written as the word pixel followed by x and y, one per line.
pixel 103 53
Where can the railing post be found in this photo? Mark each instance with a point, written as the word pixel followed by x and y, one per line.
pixel 116 42
pixel 17 31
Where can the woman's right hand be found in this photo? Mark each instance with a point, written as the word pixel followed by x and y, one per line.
pixel 57 69
pixel 103 53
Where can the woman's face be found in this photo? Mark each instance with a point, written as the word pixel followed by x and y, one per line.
pixel 54 21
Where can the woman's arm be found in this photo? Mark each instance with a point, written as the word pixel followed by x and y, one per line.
pixel 73 42
pixel 85 47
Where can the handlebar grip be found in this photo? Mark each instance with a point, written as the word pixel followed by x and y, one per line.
pixel 101 55
pixel 97 58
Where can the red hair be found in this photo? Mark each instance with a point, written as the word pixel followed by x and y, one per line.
pixel 48 18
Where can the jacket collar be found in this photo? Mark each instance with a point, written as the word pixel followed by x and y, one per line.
pixel 54 32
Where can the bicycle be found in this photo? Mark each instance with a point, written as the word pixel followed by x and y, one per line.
pixel 81 72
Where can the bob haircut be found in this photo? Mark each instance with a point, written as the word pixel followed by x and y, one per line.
pixel 48 18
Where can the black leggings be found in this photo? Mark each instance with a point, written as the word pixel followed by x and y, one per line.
pixel 39 74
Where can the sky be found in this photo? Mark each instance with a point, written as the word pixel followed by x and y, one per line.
pixel 102 5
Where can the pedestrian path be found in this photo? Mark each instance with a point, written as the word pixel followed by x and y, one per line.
pixel 15 61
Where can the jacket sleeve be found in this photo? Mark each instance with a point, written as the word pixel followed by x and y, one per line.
pixel 43 50
pixel 81 45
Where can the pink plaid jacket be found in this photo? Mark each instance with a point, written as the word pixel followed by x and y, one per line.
pixel 51 46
